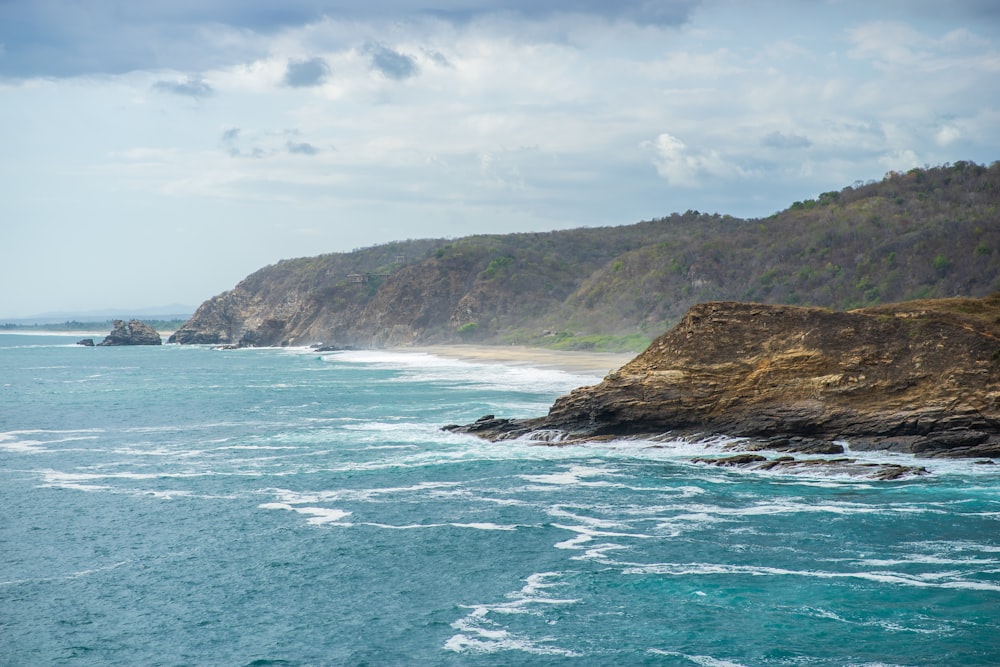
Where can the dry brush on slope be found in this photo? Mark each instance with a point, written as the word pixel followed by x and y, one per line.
pixel 921 234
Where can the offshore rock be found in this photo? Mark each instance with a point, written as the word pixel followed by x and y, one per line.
pixel 132 332
pixel 86 342
pixel 840 466
pixel 921 377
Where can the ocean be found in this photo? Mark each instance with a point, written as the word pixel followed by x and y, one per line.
pixel 182 505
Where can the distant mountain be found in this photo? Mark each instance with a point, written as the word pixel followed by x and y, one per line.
pixel 925 233
pixel 172 311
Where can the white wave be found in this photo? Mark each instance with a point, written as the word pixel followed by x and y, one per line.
pixel 918 559
pixel 459 448
pixel 382 427
pixel 897 578
pixel 358 495
pixel 142 451
pixel 72 575
pixel 574 543
pixel 484 526
pixel 537 582
pixel 943 546
pixel 318 515
pixel 57 477
pixel 479 633
pixel 205 426
pixel 390 433
pixel 255 447
pixel 840 508
pixel 573 476
pixel 675 519
pixel 10 443
pixel 423 367
pixel 501 641
pixel 678 525
pixel 376 448
pixel 417 526
pixel 40 346
pixel 703 660
pixel 835 482
pixel 681 450
pixel 166 495
pixel 13 441
pixel 882 624
pixel 77 486
pixel 561 512
pixel 585 534
pixel 503 502
pixel 703 512
pixel 410 526
pixel 455 449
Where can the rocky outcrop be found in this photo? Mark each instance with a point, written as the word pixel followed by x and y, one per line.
pixel 921 377
pixel 840 466
pixel 132 332
pixel 86 342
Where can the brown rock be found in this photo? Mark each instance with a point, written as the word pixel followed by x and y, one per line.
pixel 922 377
pixel 841 466
pixel 132 332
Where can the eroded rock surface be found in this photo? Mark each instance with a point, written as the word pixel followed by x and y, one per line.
pixel 132 332
pixel 921 377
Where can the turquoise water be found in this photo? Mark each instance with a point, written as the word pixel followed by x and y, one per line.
pixel 188 506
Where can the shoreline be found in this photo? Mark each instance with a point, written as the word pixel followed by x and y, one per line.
pixel 574 362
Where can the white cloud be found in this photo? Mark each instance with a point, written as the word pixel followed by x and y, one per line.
pixel 495 122
pixel 947 135
pixel 683 167
pixel 901 160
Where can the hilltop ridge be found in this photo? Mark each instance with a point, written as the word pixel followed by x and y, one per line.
pixel 925 233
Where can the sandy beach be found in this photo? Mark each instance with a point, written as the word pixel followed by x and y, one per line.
pixel 595 363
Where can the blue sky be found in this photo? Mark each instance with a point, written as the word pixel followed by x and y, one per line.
pixel 158 152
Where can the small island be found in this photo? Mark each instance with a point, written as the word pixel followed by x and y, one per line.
pixel 133 332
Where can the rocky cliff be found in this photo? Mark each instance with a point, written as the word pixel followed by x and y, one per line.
pixel 920 377
pixel 133 332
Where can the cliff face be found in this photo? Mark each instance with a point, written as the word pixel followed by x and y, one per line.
pixel 920 377
pixel 476 288
pixel 427 300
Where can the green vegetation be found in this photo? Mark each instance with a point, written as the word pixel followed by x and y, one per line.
pixel 926 233
pixel 497 267
pixel 468 329
pixel 601 343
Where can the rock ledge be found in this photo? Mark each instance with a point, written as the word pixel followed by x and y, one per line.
pixel 921 377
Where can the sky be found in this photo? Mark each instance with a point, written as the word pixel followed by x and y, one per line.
pixel 158 152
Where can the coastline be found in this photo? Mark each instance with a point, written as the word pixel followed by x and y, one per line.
pixel 575 362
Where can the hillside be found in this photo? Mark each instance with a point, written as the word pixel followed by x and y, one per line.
pixel 925 233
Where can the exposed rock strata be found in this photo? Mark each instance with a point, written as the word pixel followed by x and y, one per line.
pixel 921 377
pixel 132 332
